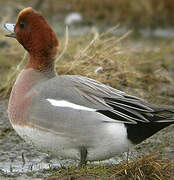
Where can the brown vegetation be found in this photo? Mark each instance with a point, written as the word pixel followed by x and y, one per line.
pixel 136 14
pixel 149 167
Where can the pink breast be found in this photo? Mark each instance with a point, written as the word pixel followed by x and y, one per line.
pixel 21 96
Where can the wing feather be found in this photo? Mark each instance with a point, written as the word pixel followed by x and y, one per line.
pixel 119 105
pixel 108 101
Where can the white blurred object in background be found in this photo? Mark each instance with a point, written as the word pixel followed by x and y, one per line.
pixel 73 18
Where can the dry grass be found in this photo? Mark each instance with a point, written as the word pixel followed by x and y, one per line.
pixel 149 167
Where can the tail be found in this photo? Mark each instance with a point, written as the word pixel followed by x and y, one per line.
pixel 141 119
pixel 139 132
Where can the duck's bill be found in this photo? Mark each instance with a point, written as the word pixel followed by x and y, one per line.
pixel 10 27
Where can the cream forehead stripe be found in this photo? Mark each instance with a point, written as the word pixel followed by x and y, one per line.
pixel 62 103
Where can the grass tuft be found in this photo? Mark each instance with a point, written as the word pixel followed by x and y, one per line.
pixel 148 167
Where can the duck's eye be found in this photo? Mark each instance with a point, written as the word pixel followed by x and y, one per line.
pixel 21 24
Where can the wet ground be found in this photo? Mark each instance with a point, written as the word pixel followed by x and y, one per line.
pixel 20 161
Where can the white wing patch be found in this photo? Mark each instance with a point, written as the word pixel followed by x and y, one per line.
pixel 63 103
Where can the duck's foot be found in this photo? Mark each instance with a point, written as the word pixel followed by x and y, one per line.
pixel 83 156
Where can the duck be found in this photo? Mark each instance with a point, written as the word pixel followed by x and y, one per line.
pixel 72 116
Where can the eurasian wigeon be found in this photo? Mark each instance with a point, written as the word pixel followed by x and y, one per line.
pixel 73 116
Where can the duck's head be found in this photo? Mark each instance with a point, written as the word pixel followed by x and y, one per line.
pixel 34 33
